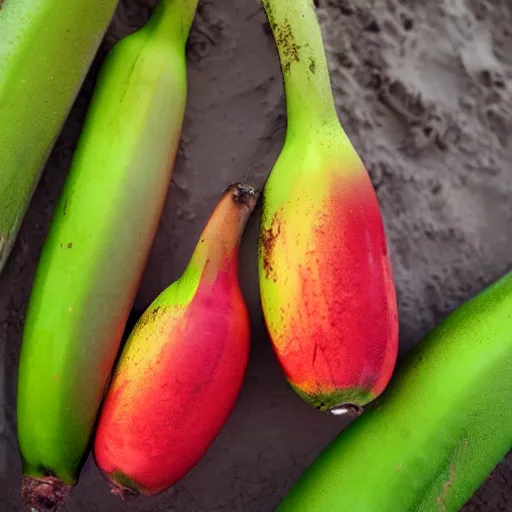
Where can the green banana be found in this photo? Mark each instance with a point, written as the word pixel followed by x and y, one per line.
pixel 46 49
pixel 442 425
pixel 97 247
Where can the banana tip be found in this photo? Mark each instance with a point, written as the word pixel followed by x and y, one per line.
pixel 351 410
pixel 122 492
pixel 43 494
pixel 243 194
pixel 118 489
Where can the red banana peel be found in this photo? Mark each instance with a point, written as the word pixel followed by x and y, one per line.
pixel 183 364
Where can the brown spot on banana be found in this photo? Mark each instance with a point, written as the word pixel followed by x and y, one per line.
pixel 45 493
pixel 458 452
pixel 284 38
pixel 268 239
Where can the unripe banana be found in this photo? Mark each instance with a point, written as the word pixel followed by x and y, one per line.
pixel 326 282
pixel 97 247
pixel 46 49
pixel 183 365
pixel 439 429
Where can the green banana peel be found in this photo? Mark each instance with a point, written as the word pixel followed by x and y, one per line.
pixel 97 246
pixel 46 49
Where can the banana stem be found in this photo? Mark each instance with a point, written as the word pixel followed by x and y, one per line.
pixel 223 231
pixel 296 30
pixel 172 19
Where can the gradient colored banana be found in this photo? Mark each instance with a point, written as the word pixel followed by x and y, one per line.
pixel 326 282
pixel 439 429
pixel 43 61
pixel 97 247
pixel 183 365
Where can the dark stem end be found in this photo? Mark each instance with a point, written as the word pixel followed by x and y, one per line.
pixel 118 489
pixel 351 410
pixel 43 494
pixel 243 194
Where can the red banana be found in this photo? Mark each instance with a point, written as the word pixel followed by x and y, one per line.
pixel 183 364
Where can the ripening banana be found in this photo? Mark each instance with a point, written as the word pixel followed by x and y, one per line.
pixel 97 247
pixel 326 283
pixel 44 58
pixel 183 365
pixel 438 430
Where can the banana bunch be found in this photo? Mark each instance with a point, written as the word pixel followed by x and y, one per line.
pixel 325 277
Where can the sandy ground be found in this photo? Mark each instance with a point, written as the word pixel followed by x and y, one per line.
pixel 425 94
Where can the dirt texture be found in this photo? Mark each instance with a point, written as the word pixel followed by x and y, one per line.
pixel 424 91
